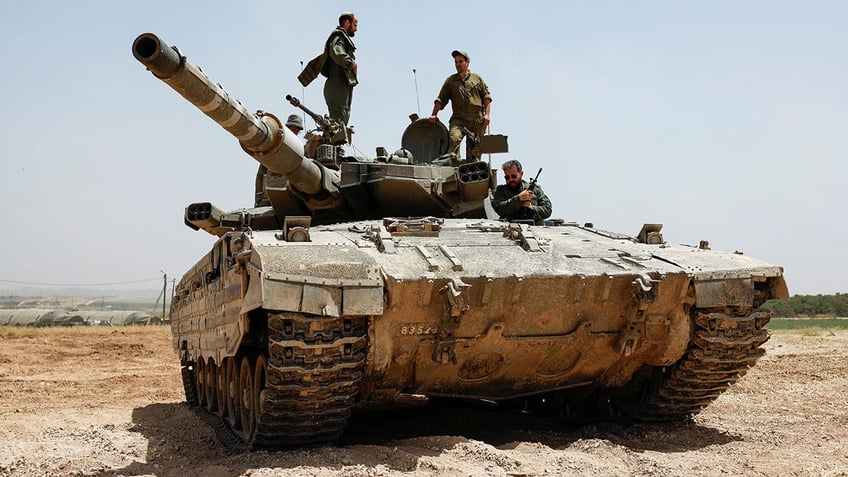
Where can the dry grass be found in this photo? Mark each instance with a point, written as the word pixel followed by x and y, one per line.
pixel 48 332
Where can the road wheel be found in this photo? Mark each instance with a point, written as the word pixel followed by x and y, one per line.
pixel 221 388
pixel 211 383
pixel 260 370
pixel 200 375
pixel 233 408
pixel 245 388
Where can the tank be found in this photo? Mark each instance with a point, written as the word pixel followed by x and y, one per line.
pixel 369 281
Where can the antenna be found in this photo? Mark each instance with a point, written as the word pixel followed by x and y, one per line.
pixel 303 95
pixel 417 101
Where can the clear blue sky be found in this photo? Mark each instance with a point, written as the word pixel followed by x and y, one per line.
pixel 726 121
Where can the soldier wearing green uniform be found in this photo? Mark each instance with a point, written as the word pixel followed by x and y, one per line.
pixel 338 64
pixel 471 104
pixel 340 68
pixel 516 200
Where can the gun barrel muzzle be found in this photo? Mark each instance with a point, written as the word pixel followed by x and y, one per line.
pixel 161 60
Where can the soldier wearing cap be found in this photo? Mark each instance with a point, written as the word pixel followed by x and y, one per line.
pixel 294 123
pixel 471 103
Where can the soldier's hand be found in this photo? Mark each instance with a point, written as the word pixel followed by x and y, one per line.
pixel 433 119
pixel 485 121
pixel 355 69
pixel 527 204
pixel 525 195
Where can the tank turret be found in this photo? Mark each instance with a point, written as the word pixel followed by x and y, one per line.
pixel 328 191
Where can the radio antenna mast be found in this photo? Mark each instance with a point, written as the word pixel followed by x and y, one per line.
pixel 303 94
pixel 417 101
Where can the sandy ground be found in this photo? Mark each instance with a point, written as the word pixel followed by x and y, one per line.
pixel 106 401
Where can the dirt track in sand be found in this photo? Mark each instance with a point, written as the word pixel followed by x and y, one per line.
pixel 106 401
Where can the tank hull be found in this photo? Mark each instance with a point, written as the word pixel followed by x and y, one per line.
pixel 369 312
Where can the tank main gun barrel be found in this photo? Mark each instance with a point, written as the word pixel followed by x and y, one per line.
pixel 261 135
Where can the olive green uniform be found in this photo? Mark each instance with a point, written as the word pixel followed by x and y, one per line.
pixel 507 204
pixel 338 68
pixel 467 96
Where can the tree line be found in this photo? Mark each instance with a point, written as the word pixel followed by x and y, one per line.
pixel 809 305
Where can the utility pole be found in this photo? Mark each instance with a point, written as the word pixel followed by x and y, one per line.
pixel 164 291
pixel 173 292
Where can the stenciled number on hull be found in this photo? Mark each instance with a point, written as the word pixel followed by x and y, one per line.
pixel 415 329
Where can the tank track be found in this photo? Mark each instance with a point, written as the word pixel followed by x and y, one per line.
pixel 314 367
pixel 722 350
pixel 230 439
pixel 189 384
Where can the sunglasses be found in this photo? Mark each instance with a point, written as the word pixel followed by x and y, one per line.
pixel 510 176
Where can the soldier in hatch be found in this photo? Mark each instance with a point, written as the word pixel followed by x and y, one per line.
pixel 295 124
pixel 516 200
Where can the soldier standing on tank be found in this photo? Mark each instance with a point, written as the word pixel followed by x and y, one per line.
pixel 516 200
pixel 294 124
pixel 338 64
pixel 471 104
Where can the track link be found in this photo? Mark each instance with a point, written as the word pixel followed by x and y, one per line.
pixel 723 348
pixel 314 368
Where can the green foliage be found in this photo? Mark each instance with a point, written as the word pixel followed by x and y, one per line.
pixel 809 305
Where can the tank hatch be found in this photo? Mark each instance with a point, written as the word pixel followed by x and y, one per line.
pixel 426 141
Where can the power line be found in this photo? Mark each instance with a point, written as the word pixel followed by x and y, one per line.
pixel 79 284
